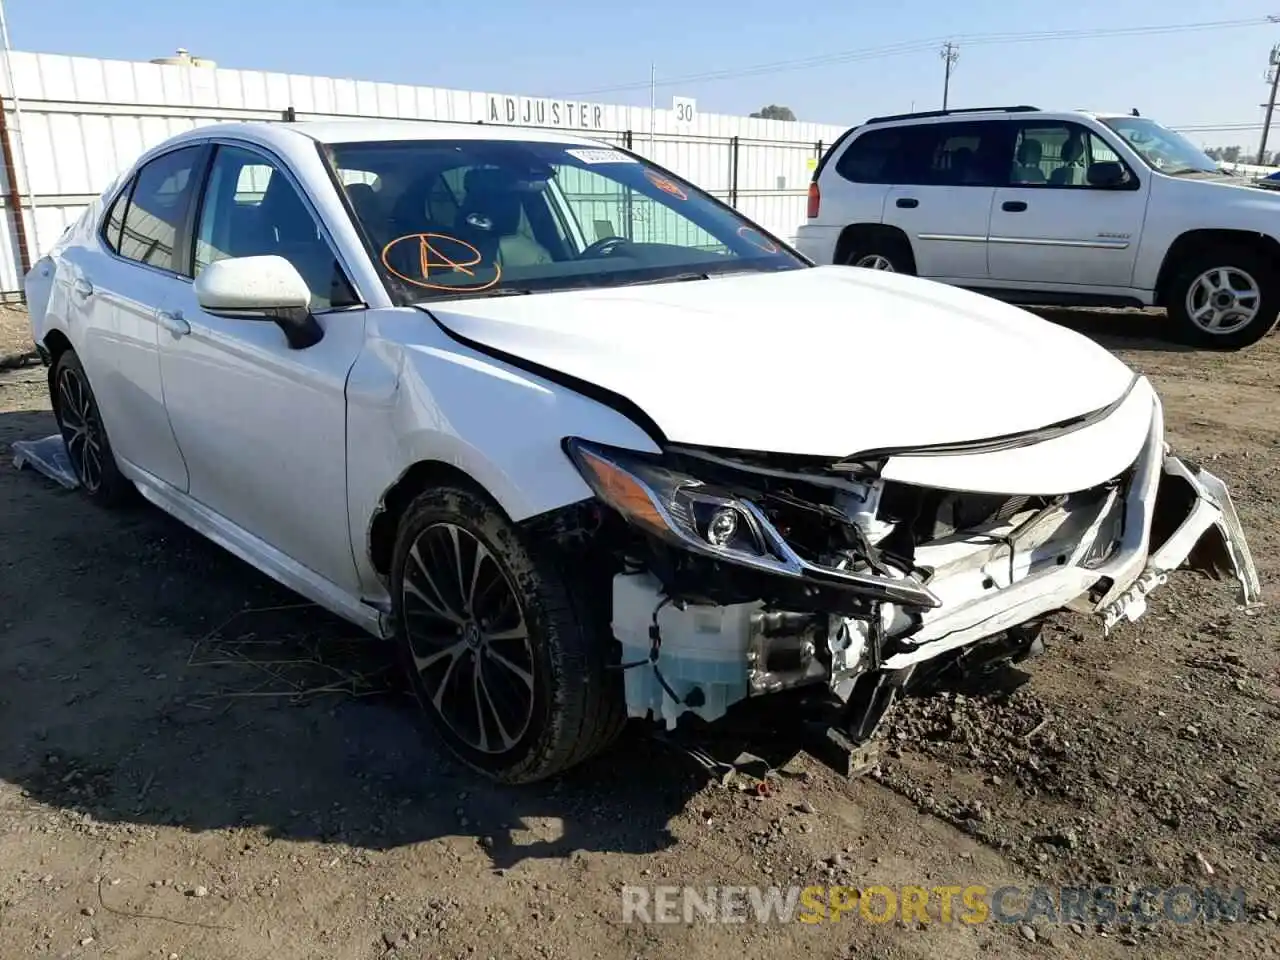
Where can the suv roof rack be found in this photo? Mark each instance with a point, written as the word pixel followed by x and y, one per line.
pixel 1020 108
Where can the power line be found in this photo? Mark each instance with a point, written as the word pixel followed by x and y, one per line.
pixel 917 46
pixel 1216 127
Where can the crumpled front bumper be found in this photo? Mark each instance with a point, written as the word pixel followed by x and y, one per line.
pixel 1175 513
pixel 1102 551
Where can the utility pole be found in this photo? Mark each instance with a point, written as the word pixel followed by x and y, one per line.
pixel 950 53
pixel 1273 74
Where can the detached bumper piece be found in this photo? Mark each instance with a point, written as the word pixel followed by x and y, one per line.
pixel 1195 524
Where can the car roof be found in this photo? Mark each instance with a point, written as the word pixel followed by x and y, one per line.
pixel 355 131
pixel 980 113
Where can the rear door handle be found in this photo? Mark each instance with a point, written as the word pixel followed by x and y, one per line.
pixel 1014 206
pixel 173 322
pixel 83 289
pixel 908 203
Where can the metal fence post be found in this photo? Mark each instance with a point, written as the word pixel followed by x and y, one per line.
pixel 628 209
pixel 290 115
pixel 734 149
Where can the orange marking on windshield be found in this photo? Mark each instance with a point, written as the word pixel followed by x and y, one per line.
pixel 430 257
pixel 757 239
pixel 665 185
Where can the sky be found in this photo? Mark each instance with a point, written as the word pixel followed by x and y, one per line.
pixel 575 48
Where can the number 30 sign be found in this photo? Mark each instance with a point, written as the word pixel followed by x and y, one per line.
pixel 686 108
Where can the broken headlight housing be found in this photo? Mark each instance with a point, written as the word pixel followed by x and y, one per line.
pixel 673 506
pixel 708 520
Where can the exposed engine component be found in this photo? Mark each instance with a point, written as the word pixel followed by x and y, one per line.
pixel 699 634
pixel 703 658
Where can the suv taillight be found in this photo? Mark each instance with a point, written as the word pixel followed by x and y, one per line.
pixel 815 200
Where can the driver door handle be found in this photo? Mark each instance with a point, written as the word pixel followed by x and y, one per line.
pixel 1014 206
pixel 173 322
pixel 83 289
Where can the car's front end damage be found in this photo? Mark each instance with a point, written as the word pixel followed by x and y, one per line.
pixel 746 575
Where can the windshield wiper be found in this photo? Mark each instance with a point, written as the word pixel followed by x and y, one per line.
pixel 677 278
pixel 474 295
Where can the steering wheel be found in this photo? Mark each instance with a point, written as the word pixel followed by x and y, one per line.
pixel 603 247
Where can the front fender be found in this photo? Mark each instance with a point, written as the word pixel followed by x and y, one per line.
pixel 416 396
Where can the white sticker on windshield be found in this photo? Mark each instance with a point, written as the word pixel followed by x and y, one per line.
pixel 600 156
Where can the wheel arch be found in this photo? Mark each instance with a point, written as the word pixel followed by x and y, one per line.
pixel 418 477
pixel 862 234
pixel 1192 241
pixel 55 344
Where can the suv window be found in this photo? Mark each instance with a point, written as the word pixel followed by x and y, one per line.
pixel 935 154
pixel 157 207
pixel 964 154
pixel 251 209
pixel 879 156
pixel 1056 154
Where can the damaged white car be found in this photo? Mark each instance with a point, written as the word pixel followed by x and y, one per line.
pixel 586 442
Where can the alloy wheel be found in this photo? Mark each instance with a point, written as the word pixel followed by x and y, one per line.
pixel 1223 300
pixel 468 638
pixel 81 428
pixel 875 261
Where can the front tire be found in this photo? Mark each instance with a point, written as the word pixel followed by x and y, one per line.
pixel 85 434
pixel 1224 298
pixel 508 666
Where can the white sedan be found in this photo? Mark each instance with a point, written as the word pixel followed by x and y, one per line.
pixel 588 444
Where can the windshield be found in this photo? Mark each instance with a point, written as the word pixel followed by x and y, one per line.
pixel 1160 147
pixel 488 217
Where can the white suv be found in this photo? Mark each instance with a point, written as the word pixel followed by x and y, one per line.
pixel 1070 208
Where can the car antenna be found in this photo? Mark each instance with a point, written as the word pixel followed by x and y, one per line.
pixel 1135 112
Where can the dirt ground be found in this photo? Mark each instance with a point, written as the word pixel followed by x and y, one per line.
pixel 16 348
pixel 196 765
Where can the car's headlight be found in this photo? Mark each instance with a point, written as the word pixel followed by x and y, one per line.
pixel 672 505
pixel 712 521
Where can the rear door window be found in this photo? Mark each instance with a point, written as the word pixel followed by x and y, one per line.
pixel 158 208
pixel 968 154
pixel 113 223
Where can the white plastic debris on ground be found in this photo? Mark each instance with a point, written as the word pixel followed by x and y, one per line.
pixel 47 456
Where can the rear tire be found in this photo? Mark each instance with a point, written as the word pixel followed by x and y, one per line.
pixel 1224 298
pixel 85 434
pixel 881 253
pixel 506 661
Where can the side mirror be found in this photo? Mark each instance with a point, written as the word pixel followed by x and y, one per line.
pixel 261 288
pixel 1107 175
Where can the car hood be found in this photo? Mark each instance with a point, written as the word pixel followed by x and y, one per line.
pixel 824 361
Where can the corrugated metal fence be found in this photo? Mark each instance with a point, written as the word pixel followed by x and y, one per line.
pixel 77 122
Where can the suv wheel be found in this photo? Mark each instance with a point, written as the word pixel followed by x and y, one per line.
pixel 876 261
pixel 881 253
pixel 1225 298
